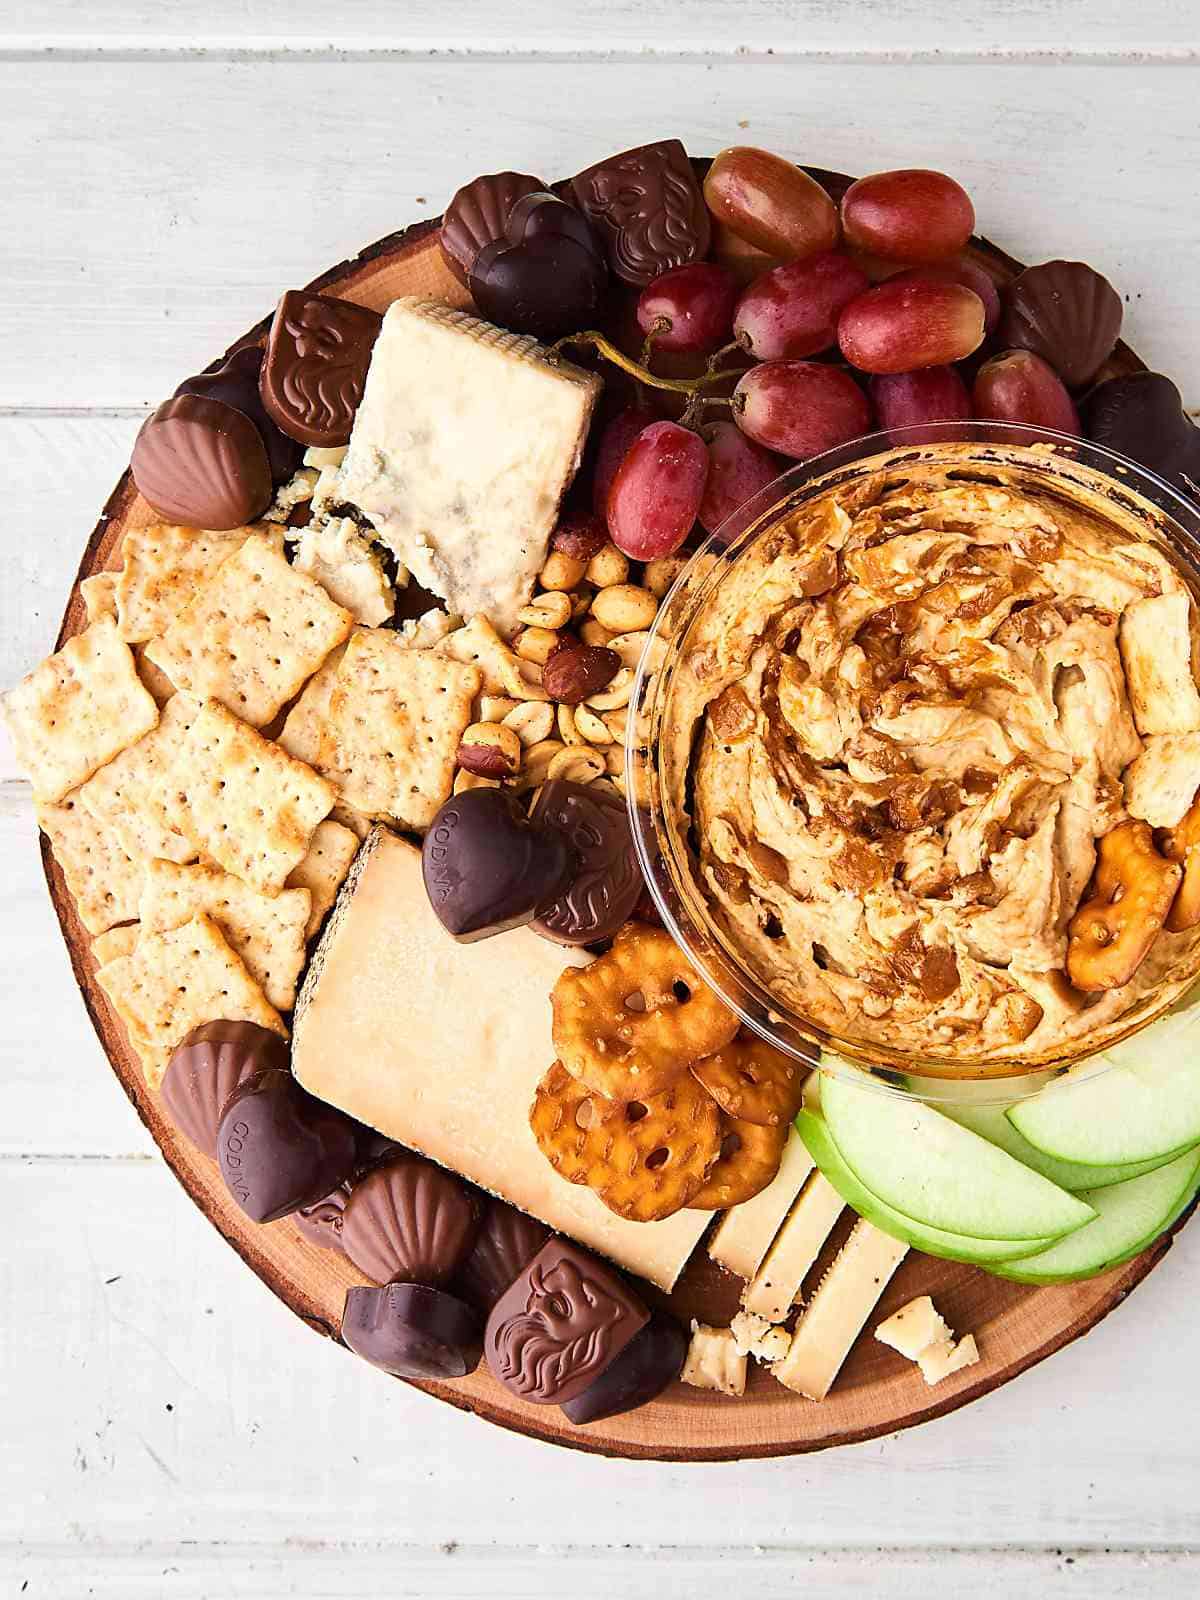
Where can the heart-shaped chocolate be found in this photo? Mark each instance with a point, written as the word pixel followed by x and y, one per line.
pixel 1142 416
pixel 546 276
pixel 477 214
pixel 235 383
pixel 413 1331
pixel 279 1148
pixel 487 868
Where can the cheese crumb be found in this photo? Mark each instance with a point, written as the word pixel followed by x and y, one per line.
pixel 758 1337
pixel 939 1360
pixel 714 1362
pixel 913 1328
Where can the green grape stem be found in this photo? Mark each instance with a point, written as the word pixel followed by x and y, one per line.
pixel 610 352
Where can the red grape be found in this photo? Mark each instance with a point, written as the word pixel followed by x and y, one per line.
pixel 770 203
pixel 1020 387
pixel 793 311
pixel 694 302
pixel 960 271
pixel 896 327
pixel 932 394
pixel 909 215
pixel 657 491
pixel 800 407
pixel 618 435
pixel 738 469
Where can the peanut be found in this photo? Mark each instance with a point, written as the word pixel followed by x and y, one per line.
pixel 562 571
pixel 531 722
pixel 592 633
pixel 661 573
pixel 625 608
pixel 536 644
pixel 495 707
pixel 552 610
pixel 579 764
pixel 489 750
pixel 591 726
pixel 607 567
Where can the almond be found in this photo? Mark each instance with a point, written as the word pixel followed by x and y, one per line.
pixel 575 672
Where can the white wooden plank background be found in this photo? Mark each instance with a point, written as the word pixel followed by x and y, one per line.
pixel 169 1428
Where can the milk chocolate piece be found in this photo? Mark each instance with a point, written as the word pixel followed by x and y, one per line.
pixel 279 1148
pixel 413 1331
pixel 546 275
pixel 507 1241
pixel 318 352
pixel 321 1222
pixel 1067 313
pixel 235 383
pixel 651 1360
pixel 410 1220
pixel 1142 416
pixel 487 868
pixel 477 214
pixel 201 463
pixel 560 1324
pixel 648 208
pixel 607 882
pixel 208 1066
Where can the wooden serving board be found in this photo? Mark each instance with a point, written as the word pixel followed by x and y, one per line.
pixel 878 1391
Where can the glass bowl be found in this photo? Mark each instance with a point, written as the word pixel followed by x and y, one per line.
pixel 657 753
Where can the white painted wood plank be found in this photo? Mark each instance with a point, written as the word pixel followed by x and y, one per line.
pixel 180 210
pixel 160 1394
pixel 708 26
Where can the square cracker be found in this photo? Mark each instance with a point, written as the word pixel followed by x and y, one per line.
pixel 119 795
pixel 304 725
pixel 241 800
pixel 324 869
pixel 164 567
pixel 268 932
pixel 116 942
pixel 99 594
pixel 253 635
pixel 77 710
pixel 395 720
pixel 176 980
pixel 105 882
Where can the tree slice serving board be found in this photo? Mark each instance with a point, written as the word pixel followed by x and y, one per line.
pixel 877 1392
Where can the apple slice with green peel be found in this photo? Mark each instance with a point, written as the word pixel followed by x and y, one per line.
pixel 930 1169
pixel 992 1123
pixel 1129 1216
pixel 933 1241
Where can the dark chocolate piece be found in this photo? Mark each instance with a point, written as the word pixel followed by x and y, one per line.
pixel 487 868
pixel 477 214
pixel 279 1148
pixel 321 1222
pixel 409 1220
pixel 201 463
pixel 413 1331
pixel 649 209
pixel 546 275
pixel 208 1066
pixel 651 1360
pixel 1065 312
pixel 235 383
pixel 1142 416
pixel 507 1241
pixel 560 1324
pixel 607 883
pixel 318 352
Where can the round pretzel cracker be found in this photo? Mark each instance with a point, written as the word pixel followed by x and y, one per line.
pixel 644 1158
pixel 749 1159
pixel 1182 844
pixel 634 1021
pixel 752 1081
pixel 1123 910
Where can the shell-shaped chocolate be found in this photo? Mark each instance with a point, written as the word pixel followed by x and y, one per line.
pixel 201 463
pixel 318 352
pixel 1067 313
pixel 1142 416
pixel 477 216
pixel 507 1241
pixel 409 1220
pixel 649 209
pixel 208 1066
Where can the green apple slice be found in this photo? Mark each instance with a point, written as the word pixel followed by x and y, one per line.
pixel 1129 1216
pixel 933 1241
pixel 991 1123
pixel 936 1172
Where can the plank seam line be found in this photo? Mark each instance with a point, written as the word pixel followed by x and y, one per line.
pixel 62 413
pixel 49 1158
pixel 23 49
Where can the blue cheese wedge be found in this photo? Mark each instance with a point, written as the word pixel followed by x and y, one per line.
pixel 464 444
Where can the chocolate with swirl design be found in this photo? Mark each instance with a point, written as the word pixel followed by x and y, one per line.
pixel 648 208
pixel 318 352
pixel 607 882
pixel 560 1324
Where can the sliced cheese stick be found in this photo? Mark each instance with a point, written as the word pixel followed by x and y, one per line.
pixel 744 1235
pixel 835 1317
pixel 777 1285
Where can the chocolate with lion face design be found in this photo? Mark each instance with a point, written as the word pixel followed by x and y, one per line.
pixel 318 352
pixel 561 1324
pixel 648 208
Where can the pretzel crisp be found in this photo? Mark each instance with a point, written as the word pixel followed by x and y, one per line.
pixel 631 1023
pixel 1182 844
pixel 646 1159
pixel 753 1082
pixel 749 1159
pixel 1125 906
